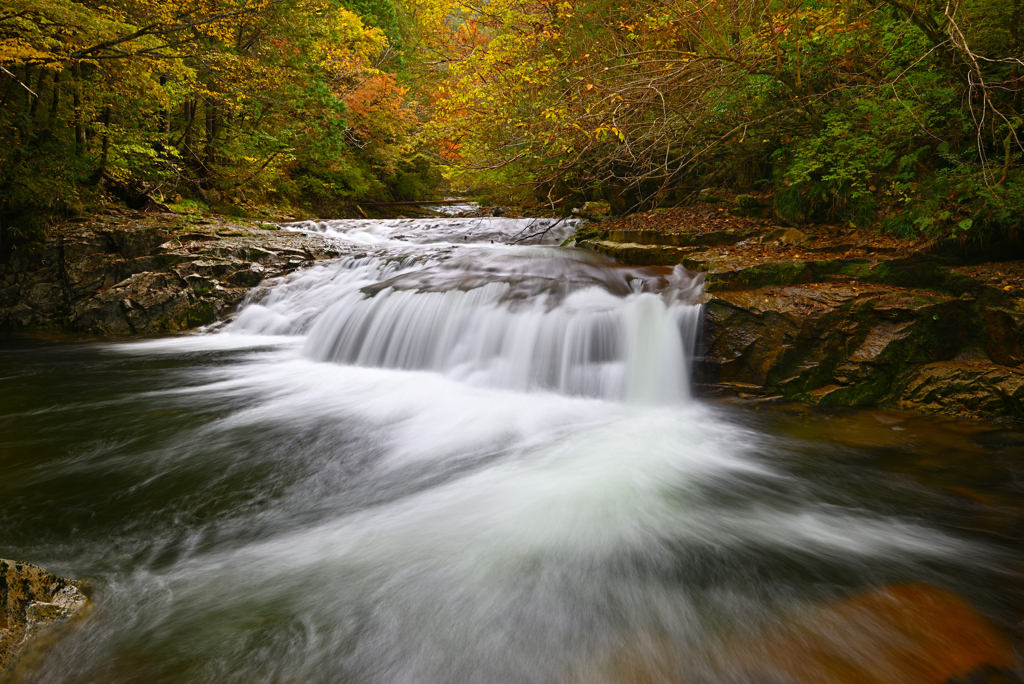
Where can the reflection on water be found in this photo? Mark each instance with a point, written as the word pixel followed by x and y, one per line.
pixel 279 502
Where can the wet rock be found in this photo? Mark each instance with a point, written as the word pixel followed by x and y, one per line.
pixel 791 236
pixel 898 634
pixel 911 633
pixel 1004 336
pixel 151 273
pixel 256 254
pixel 92 272
pixel 972 387
pixel 792 314
pixel 201 285
pixel 249 277
pixel 637 254
pixel 44 297
pixel 832 343
pixel 133 242
pixel 212 268
pixel 32 603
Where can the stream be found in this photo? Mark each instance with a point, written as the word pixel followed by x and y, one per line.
pixel 464 454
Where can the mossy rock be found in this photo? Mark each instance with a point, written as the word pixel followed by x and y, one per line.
pixel 747 206
pixel 32 602
pixel 202 312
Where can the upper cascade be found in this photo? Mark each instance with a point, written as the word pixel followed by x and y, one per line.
pixel 438 295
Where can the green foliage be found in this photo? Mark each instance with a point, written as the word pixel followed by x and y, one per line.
pixel 904 112
pixel 226 103
pixel 188 206
pixel 381 14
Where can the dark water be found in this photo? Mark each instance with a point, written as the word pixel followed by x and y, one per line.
pixel 250 507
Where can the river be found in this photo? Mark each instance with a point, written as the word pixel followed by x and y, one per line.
pixel 465 454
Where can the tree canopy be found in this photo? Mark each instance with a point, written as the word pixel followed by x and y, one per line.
pixel 903 113
pixel 205 98
pixel 907 112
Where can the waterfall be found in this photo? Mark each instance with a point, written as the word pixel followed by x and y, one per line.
pixel 516 317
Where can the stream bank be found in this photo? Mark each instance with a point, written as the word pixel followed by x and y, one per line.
pixel 839 317
pixel 138 272
pixel 126 272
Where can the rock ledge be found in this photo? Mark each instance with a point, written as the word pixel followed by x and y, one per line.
pixel 146 273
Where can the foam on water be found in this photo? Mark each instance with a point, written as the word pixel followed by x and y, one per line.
pixel 525 318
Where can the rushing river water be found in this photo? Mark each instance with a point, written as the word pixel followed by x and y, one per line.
pixel 448 458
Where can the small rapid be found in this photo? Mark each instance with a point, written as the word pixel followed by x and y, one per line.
pixel 512 316
pixel 460 453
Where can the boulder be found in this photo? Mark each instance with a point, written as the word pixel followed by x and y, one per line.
pixel 751 207
pixel 791 236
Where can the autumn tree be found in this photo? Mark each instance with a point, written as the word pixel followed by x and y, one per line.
pixel 846 111
pixel 286 99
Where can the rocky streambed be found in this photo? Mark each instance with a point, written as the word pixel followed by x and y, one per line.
pixel 451 521
pixel 855 319
pixel 146 272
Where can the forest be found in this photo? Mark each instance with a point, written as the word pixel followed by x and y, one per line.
pixel 903 115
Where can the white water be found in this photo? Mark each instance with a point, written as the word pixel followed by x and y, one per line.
pixel 523 318
pixel 441 460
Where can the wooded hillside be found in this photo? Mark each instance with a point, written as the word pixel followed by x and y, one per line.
pixel 204 100
pixel 906 115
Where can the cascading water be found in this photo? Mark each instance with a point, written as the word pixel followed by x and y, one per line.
pixel 458 454
pixel 523 318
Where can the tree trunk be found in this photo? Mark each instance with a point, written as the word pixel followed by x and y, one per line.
pixel 38 96
pixel 734 19
pixel 77 97
pixel 211 133
pixel 54 99
pixel 28 84
pixel 165 115
pixel 190 115
pixel 1015 53
pixel 11 81
pixel 106 138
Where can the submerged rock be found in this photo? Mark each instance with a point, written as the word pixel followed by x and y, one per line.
pixel 898 634
pixel 32 601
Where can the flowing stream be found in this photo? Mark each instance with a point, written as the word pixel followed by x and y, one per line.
pixel 464 454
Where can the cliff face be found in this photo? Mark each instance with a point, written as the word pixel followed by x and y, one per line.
pixel 145 273
pixel 855 320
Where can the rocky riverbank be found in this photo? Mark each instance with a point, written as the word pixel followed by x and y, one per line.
pixel 840 317
pixel 146 272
